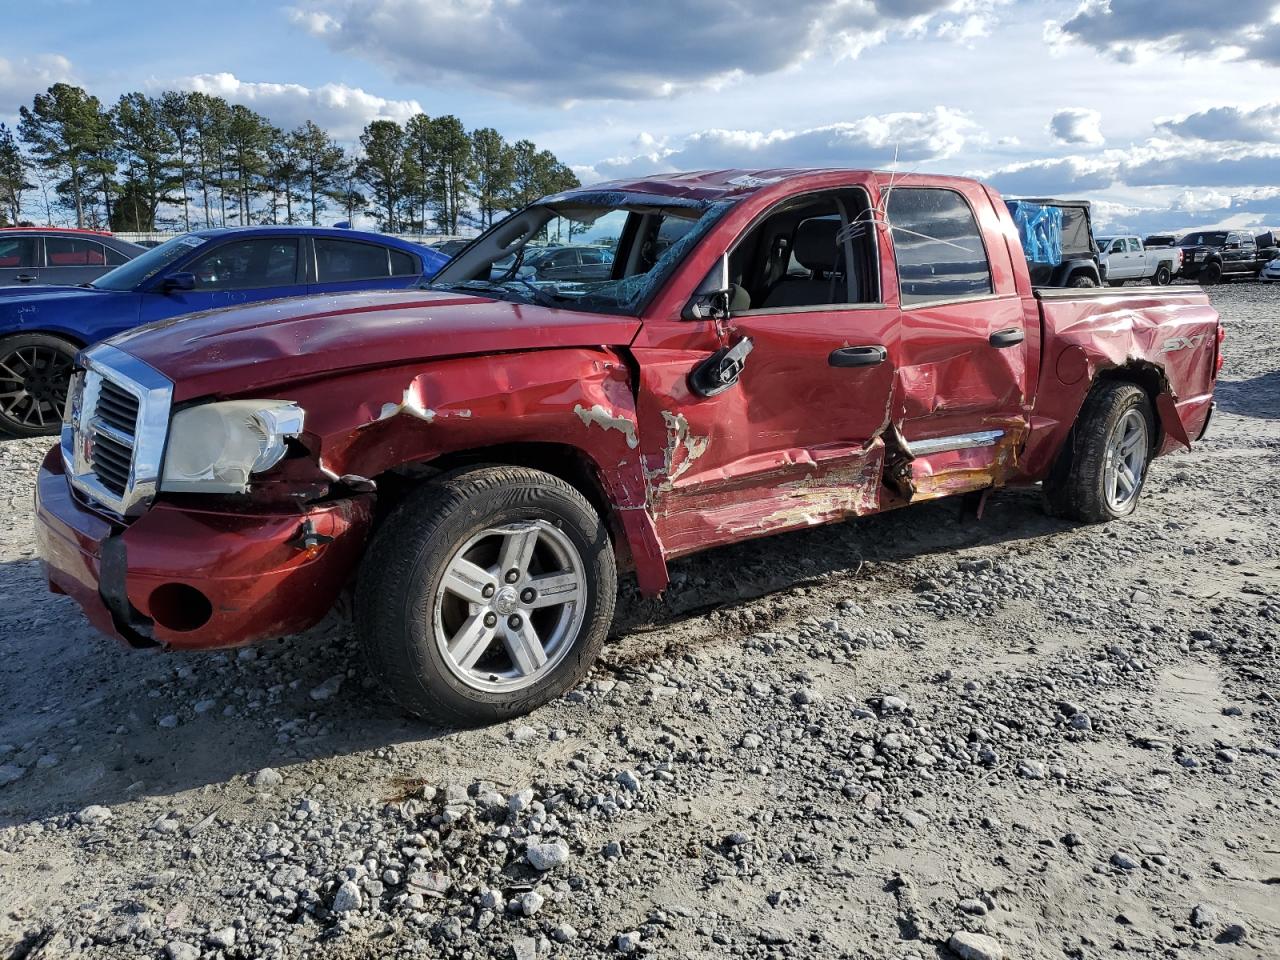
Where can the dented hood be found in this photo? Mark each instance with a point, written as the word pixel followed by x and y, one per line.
pixel 264 345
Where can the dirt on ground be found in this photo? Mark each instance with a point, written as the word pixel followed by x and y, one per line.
pixel 915 735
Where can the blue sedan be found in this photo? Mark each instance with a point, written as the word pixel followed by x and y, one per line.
pixel 42 327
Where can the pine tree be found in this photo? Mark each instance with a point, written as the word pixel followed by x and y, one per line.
pixel 248 137
pixel 70 137
pixel 451 171
pixel 382 169
pixel 149 154
pixel 492 173
pixel 13 177
pixel 419 168
pixel 320 162
pixel 175 110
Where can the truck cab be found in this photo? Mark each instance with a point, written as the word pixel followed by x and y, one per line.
pixel 476 460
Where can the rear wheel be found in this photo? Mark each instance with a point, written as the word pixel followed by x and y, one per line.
pixel 1212 273
pixel 486 595
pixel 35 372
pixel 1103 466
pixel 1163 276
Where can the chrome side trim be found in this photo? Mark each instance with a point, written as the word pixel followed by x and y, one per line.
pixel 960 441
pixel 154 393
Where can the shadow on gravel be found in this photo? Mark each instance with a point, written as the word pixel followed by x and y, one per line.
pixel 101 711
pixel 747 571
pixel 1258 397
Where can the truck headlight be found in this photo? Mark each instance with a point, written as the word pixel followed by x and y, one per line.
pixel 216 447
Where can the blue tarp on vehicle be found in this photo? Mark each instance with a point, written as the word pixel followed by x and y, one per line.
pixel 1039 229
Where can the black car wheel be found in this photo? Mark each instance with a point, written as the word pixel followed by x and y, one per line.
pixel 1163 276
pixel 35 371
pixel 1212 273
pixel 1082 280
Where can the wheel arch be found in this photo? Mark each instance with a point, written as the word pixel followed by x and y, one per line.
pixel 1148 376
pixel 634 540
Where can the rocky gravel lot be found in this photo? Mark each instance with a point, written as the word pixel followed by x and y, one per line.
pixel 918 735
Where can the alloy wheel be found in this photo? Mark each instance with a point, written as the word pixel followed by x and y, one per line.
pixel 33 385
pixel 1126 460
pixel 509 605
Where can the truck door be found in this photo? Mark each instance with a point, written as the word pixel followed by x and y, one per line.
pixel 797 438
pixel 1120 265
pixel 959 403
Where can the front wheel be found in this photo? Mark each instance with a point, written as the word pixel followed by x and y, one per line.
pixel 1103 466
pixel 1082 280
pixel 1212 273
pixel 485 595
pixel 35 372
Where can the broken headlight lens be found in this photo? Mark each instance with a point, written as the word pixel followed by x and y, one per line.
pixel 216 447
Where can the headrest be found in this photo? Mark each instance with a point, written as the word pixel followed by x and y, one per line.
pixel 816 244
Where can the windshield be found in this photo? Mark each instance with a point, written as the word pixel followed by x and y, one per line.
pixel 606 252
pixel 142 268
pixel 1215 238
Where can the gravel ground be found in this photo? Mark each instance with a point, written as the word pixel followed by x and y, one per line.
pixel 917 735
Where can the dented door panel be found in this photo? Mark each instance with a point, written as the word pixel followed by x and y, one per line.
pixel 795 442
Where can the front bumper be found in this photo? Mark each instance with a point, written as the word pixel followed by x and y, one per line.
pixel 195 578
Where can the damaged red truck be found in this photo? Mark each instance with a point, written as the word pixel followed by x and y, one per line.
pixel 476 459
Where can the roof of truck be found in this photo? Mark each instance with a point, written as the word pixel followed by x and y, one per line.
pixel 722 184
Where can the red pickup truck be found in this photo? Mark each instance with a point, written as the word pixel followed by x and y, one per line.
pixel 477 458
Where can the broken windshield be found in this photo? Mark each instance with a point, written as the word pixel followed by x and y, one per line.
pixel 605 251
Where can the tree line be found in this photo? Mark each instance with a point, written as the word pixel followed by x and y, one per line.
pixel 192 160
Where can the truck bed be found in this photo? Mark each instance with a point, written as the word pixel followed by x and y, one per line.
pixel 1167 335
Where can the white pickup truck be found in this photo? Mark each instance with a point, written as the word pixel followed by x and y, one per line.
pixel 1126 258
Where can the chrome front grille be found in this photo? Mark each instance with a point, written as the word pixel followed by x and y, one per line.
pixel 114 434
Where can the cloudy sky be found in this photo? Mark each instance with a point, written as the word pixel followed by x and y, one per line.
pixel 1165 114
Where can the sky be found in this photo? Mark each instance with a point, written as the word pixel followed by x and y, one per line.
pixel 1162 113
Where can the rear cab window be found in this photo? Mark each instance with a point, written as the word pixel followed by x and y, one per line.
pixel 938 246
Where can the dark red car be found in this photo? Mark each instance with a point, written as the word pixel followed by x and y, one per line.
pixel 477 459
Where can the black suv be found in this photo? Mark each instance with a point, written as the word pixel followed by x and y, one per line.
pixel 1211 255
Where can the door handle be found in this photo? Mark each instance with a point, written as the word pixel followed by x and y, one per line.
pixel 25 277
pixel 857 356
pixel 1007 338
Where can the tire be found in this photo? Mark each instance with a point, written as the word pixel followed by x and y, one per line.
pixel 1081 486
pixel 1163 276
pixel 35 372
pixel 1211 273
pixel 1082 280
pixel 464 526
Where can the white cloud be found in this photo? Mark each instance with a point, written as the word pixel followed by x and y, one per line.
pixel 574 50
pixel 871 141
pixel 338 108
pixel 22 79
pixel 1134 30
pixel 1077 125
pixel 1239 124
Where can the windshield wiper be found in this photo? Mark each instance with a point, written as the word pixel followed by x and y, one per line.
pixel 544 298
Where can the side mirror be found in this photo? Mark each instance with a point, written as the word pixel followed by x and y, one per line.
pixel 711 298
pixel 178 281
